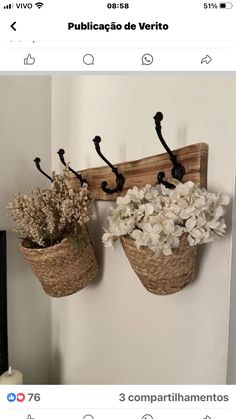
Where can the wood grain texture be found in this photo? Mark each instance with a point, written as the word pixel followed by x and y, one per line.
pixel 144 171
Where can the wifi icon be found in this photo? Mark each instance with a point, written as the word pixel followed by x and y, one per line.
pixel 39 4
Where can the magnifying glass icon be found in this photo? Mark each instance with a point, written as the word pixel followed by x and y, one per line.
pixel 88 59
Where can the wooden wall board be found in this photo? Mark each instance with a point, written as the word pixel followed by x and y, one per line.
pixel 144 171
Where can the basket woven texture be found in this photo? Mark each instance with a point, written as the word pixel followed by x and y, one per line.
pixel 63 269
pixel 162 274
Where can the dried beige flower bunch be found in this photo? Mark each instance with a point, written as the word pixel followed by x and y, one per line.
pixel 47 216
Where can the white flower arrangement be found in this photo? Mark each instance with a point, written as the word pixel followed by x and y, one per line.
pixel 156 217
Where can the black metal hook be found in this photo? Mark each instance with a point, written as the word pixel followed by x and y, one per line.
pixel 37 161
pixel 120 179
pixel 61 153
pixel 178 170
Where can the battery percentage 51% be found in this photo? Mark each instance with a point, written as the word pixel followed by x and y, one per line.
pixel 225 5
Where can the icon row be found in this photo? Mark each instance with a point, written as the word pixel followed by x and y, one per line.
pixel 88 59
pixel 10 6
pixel 21 397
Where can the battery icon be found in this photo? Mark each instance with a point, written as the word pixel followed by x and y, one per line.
pixel 226 5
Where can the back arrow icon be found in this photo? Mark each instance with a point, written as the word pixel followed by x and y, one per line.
pixel 13 26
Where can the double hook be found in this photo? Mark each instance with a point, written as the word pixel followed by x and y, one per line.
pixel 120 179
pixel 178 170
pixel 37 161
pixel 61 153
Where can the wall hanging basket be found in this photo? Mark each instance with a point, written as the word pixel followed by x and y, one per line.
pixel 162 274
pixel 64 268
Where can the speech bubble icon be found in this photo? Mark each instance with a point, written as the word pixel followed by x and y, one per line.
pixel 147 59
pixel 88 59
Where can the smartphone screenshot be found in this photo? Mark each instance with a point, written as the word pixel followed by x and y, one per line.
pixel 117 209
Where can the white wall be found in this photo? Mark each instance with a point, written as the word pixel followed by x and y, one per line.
pixel 25 132
pixel 114 331
pixel 231 376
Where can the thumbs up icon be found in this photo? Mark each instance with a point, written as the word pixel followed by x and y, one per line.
pixel 29 60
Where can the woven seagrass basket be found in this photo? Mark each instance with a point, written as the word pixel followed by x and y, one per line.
pixel 64 268
pixel 162 274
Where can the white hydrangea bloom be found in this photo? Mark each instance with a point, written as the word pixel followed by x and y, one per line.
pixel 156 217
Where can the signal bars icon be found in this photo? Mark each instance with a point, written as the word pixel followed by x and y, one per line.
pixel 8 6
